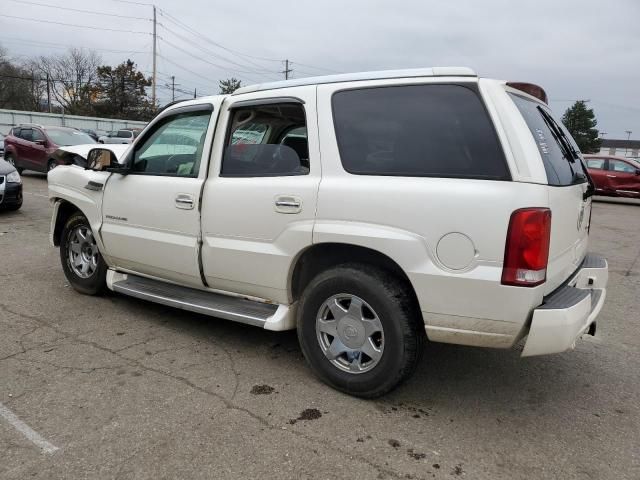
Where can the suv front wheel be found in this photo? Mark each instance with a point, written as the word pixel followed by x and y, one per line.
pixel 360 329
pixel 82 262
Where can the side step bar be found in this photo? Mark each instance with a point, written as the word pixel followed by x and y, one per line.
pixel 265 315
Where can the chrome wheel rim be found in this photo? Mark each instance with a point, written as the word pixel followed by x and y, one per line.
pixel 350 333
pixel 83 252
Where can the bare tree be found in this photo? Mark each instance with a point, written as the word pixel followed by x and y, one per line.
pixel 72 77
pixel 20 88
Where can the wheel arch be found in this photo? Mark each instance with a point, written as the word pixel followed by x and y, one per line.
pixel 321 256
pixel 63 209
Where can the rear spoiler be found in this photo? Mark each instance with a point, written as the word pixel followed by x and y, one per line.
pixel 531 89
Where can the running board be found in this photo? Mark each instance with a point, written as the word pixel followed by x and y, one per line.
pixel 238 309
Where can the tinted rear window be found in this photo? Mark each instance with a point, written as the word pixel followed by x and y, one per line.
pixel 417 131
pixel 561 169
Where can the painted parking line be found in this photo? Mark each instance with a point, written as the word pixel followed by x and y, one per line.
pixel 37 194
pixel 26 430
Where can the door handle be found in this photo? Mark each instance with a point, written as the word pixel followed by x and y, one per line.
pixel 288 204
pixel 612 176
pixel 184 201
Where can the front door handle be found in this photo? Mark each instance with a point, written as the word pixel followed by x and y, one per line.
pixel 185 201
pixel 288 204
pixel 612 176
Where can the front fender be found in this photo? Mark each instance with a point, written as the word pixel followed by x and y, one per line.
pixel 68 184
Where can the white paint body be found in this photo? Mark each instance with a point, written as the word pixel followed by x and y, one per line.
pixel 447 235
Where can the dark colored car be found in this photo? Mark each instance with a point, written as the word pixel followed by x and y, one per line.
pixel 10 187
pixel 90 132
pixel 614 176
pixel 31 147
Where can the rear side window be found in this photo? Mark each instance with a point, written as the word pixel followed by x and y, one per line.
pixel 620 166
pixel 417 131
pixel 124 134
pixel 596 163
pixel 561 168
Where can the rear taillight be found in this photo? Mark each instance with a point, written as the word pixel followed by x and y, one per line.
pixel 527 250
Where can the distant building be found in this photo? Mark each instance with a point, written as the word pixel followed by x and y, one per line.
pixel 620 148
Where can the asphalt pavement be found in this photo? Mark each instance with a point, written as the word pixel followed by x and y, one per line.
pixel 113 387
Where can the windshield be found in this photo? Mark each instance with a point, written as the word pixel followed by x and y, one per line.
pixel 65 138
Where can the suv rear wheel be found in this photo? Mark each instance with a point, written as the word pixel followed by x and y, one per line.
pixel 82 262
pixel 360 329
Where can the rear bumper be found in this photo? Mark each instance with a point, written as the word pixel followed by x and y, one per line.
pixel 570 311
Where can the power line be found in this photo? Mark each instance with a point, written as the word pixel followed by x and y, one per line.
pixel 209 52
pixel 90 27
pixel 201 59
pixel 194 32
pixel 92 12
pixel 316 68
pixel 183 68
pixel 62 45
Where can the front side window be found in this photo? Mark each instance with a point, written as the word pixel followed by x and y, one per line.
pixel 561 166
pixel 620 166
pixel 257 143
pixel 174 147
pixel 26 134
pixel 436 130
pixel 596 163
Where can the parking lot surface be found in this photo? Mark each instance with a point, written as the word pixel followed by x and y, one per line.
pixel 121 388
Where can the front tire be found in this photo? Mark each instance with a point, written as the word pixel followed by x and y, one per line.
pixel 82 262
pixel 360 329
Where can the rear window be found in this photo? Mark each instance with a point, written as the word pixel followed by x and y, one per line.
pixel 561 168
pixel 417 131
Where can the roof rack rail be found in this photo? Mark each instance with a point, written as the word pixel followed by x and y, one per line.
pixel 29 125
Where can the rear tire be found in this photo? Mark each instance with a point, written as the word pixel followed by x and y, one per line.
pixel 377 326
pixel 82 263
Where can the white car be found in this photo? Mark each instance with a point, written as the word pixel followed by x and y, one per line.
pixel 119 136
pixel 369 211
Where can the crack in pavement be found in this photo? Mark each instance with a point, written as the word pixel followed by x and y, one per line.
pixel 228 403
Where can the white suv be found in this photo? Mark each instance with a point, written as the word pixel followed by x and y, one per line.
pixel 368 211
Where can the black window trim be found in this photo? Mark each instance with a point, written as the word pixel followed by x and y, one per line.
pixel 471 85
pixel 255 103
pixel 150 130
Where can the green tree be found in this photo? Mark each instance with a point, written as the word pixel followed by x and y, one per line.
pixel 229 85
pixel 581 123
pixel 120 92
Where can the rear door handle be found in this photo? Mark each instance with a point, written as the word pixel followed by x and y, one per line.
pixel 184 201
pixel 288 204
pixel 612 176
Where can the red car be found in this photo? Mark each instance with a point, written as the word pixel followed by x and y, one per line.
pixel 614 176
pixel 31 147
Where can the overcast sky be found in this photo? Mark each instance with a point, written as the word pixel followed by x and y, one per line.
pixel 575 49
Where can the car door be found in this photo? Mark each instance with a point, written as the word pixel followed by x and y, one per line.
pixel 151 216
pixel 37 150
pixel 598 173
pixel 24 150
pixel 260 197
pixel 624 177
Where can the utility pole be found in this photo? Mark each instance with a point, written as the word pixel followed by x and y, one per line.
pixel 153 86
pixel 287 70
pixel 48 94
pixel 195 92
pixel 173 88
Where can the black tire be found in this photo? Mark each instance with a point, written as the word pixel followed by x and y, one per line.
pixel 395 306
pixel 96 283
pixel 13 207
pixel 10 158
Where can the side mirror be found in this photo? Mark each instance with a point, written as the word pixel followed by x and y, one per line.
pixel 637 171
pixel 101 159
